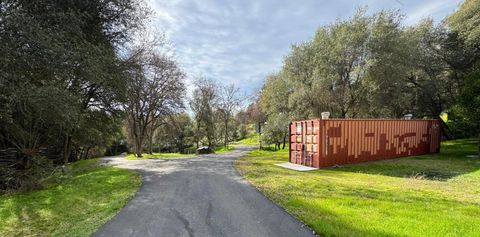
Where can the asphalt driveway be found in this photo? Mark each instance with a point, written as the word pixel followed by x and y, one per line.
pixel 202 196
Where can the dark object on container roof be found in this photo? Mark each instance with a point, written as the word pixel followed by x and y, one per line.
pixel 329 142
pixel 204 150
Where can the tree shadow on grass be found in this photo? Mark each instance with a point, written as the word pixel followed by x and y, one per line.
pixel 452 161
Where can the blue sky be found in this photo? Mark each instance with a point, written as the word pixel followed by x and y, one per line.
pixel 241 41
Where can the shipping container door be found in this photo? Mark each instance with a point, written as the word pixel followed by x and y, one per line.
pixel 292 144
pixel 311 145
pixel 298 154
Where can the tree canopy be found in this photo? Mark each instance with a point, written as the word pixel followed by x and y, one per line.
pixel 60 72
pixel 374 66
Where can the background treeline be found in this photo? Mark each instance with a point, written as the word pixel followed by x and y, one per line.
pixel 81 79
pixel 215 118
pixel 373 66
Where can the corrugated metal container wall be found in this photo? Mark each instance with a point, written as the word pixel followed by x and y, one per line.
pixel 323 143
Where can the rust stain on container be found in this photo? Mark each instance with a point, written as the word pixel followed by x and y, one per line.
pixel 328 142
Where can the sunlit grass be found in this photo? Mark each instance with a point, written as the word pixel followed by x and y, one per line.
pixel 431 195
pixel 77 205
pixel 222 149
pixel 252 141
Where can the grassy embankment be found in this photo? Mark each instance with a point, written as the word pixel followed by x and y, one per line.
pixel 222 149
pixel 430 195
pixel 75 204
pixel 253 140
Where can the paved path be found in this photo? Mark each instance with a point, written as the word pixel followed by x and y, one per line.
pixel 203 196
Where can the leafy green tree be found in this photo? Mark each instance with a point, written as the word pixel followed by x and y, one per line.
pixel 274 95
pixel 274 103
pixel 276 130
pixel 99 130
pixel 344 68
pixel 155 91
pixel 431 86
pixel 372 66
pixel 86 67
pixel 386 93
pixel 203 103
pixel 469 102
pixel 177 135
pixel 59 65
pixel 298 69
pixel 228 102
pixel 465 22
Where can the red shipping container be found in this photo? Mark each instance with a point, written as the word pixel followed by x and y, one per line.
pixel 328 142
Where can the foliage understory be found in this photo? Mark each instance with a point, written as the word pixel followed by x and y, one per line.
pixel 159 156
pixel 75 204
pixel 430 195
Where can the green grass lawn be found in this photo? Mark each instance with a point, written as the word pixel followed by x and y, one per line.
pixel 75 205
pixel 250 141
pixel 430 195
pixel 222 149
pixel 159 156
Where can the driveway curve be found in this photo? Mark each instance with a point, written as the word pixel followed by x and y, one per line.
pixel 201 196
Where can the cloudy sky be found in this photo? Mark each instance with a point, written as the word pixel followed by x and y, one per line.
pixel 241 41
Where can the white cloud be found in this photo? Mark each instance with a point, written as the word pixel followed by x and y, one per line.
pixel 241 41
pixel 431 9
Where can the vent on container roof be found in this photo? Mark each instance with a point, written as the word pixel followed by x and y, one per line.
pixel 325 115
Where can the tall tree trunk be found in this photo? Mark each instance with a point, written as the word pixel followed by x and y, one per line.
pixel 67 146
pixel 115 148
pixel 197 135
pixel 284 141
pixel 210 134
pixel 226 132
pixel 85 155
pixel 139 148
pixel 344 113
pixel 139 136
pixel 478 128
pixel 150 142
pixel 479 142
pixel 260 139
pixel 138 145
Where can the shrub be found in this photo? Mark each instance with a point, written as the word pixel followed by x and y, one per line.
pixel 14 176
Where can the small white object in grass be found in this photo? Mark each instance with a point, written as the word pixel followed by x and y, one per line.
pixel 473 156
pixel 296 167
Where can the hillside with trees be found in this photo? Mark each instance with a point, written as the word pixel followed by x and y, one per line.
pixel 374 66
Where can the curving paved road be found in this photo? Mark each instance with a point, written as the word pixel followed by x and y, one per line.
pixel 203 196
